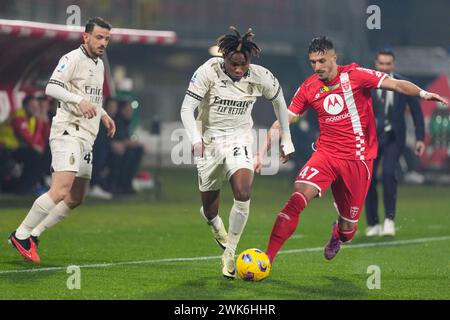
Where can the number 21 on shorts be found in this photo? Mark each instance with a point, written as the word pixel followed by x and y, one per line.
pixel 312 172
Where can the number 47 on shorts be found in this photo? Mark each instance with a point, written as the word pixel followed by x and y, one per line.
pixel 312 172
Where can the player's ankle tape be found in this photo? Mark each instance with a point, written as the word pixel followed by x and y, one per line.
pixel 347 235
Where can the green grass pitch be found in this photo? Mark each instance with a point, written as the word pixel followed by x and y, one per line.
pixel 135 249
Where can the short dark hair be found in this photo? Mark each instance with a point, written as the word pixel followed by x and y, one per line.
pixel 235 42
pixel 27 100
pixel 96 21
pixel 123 103
pixel 320 44
pixel 385 51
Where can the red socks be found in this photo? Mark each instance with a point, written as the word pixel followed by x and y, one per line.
pixel 345 235
pixel 286 223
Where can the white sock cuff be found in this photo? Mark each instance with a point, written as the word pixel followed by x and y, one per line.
pixel 242 206
pixel 45 202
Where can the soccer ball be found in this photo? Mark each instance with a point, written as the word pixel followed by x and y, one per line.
pixel 253 265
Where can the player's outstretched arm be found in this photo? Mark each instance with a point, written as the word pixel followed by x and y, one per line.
pixel 273 134
pixel 410 89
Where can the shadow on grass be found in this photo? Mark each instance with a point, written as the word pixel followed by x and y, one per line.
pixel 216 288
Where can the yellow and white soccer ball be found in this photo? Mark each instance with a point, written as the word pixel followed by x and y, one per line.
pixel 253 265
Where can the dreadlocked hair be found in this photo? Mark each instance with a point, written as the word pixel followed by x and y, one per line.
pixel 232 43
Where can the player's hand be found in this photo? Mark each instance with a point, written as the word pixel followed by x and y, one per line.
pixel 420 148
pixel 286 148
pixel 435 97
pixel 257 163
pixel 87 109
pixel 109 125
pixel 198 150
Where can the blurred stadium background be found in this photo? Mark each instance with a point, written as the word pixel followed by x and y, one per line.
pixel 153 70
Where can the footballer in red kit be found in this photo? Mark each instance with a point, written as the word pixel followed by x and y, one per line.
pixel 346 147
pixel 347 132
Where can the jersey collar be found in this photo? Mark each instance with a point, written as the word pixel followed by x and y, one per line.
pixel 228 77
pixel 83 49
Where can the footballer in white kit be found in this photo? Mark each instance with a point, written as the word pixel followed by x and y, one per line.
pixel 225 90
pixel 77 83
pixel 225 119
pixel 72 135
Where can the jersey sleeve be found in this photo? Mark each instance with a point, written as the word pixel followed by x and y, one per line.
pixel 270 86
pixel 199 84
pixel 299 102
pixel 63 72
pixel 368 78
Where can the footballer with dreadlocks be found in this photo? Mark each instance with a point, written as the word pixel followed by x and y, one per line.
pixel 347 144
pixel 224 89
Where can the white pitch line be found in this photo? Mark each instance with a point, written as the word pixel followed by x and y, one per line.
pixel 125 263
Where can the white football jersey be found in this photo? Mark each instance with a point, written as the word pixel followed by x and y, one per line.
pixel 82 75
pixel 226 105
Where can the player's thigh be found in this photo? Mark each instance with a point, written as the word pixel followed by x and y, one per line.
pixel 210 169
pixel 350 188
pixel 315 176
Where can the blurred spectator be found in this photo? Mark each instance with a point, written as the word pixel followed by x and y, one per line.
pixel 48 107
pixel 23 139
pixel 127 153
pixel 389 108
pixel 101 155
pixel 9 171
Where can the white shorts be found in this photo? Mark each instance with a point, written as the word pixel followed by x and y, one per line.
pixel 71 154
pixel 221 161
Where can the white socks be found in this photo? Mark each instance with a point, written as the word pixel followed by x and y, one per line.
pixel 43 214
pixel 238 219
pixel 216 222
pixel 58 213
pixel 40 209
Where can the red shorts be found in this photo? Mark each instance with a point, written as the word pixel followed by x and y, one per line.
pixel 349 179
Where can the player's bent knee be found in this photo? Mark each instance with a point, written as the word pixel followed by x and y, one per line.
pixel 74 200
pixel 242 195
pixel 58 194
pixel 73 203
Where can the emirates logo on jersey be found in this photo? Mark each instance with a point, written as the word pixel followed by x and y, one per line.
pixel 333 104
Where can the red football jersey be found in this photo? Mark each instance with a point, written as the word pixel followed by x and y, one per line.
pixel 344 110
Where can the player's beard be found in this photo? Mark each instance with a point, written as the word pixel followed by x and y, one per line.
pixel 100 51
pixel 95 51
